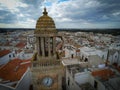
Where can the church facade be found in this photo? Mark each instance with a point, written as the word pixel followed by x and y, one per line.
pixel 47 70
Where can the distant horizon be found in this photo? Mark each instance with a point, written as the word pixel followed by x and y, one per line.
pixel 63 28
pixel 102 31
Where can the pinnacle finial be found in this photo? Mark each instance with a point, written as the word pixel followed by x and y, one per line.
pixel 45 11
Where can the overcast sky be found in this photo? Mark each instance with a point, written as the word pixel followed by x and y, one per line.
pixel 66 13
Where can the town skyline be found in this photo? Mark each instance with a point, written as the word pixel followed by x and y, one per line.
pixel 46 58
pixel 66 13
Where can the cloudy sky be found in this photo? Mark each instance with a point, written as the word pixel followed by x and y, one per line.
pixel 66 13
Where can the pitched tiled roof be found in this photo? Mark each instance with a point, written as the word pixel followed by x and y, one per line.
pixel 21 45
pixel 14 70
pixel 78 50
pixel 18 51
pixel 4 52
pixel 104 74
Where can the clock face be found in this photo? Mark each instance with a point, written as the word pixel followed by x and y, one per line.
pixel 47 81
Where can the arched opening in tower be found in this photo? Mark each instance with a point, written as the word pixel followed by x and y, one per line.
pixel 46 46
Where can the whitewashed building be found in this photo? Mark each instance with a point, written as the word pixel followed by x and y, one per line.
pixel 85 52
pixel 81 78
pixel 114 56
pixel 6 56
pixel 70 51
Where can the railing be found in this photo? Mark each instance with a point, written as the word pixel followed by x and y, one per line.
pixel 43 63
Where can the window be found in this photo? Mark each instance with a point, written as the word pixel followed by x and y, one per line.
pixel 9 55
pixel 68 81
pixel 72 56
pixel 115 56
pixel 13 55
pixel 95 84
pixel 86 60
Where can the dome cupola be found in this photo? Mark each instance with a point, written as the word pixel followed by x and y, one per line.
pixel 45 23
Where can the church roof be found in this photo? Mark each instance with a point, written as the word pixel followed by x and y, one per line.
pixel 20 45
pixel 14 69
pixel 45 23
pixel 4 52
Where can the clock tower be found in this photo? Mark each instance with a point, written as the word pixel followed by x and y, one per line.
pixel 46 67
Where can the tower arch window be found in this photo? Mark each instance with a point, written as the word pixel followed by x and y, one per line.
pixel 68 81
pixel 86 60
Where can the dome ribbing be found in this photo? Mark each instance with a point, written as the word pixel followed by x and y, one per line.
pixel 45 23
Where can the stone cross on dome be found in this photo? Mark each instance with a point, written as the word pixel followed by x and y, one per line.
pixel 45 11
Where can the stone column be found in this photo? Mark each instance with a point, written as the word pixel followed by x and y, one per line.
pixel 49 48
pixel 54 45
pixel 37 46
pixel 43 46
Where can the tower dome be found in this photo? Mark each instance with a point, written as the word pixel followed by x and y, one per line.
pixel 45 23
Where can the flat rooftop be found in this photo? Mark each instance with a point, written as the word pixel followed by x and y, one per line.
pixel 112 84
pixel 87 86
pixel 76 68
pixel 70 61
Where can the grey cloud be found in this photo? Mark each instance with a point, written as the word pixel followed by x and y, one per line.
pixel 91 11
pixel 8 17
pixel 95 14
pixel 35 3
pixel 33 9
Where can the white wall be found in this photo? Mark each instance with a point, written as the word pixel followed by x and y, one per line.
pixel 23 84
pixel 20 55
pixel 115 57
pixel 5 59
pixel 66 53
pixel 69 53
pixel 100 85
pixel 6 47
pixel 82 77
pixel 119 59
pixel 91 80
pixel 25 81
pixel 85 52
pixel 28 55
pixel 72 84
pixel 2 87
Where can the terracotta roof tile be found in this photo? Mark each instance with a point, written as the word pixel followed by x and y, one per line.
pixel 4 52
pixel 21 45
pixel 14 70
pixel 18 51
pixel 78 50
pixel 104 74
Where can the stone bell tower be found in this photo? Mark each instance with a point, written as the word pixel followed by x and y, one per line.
pixel 45 34
pixel 46 67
